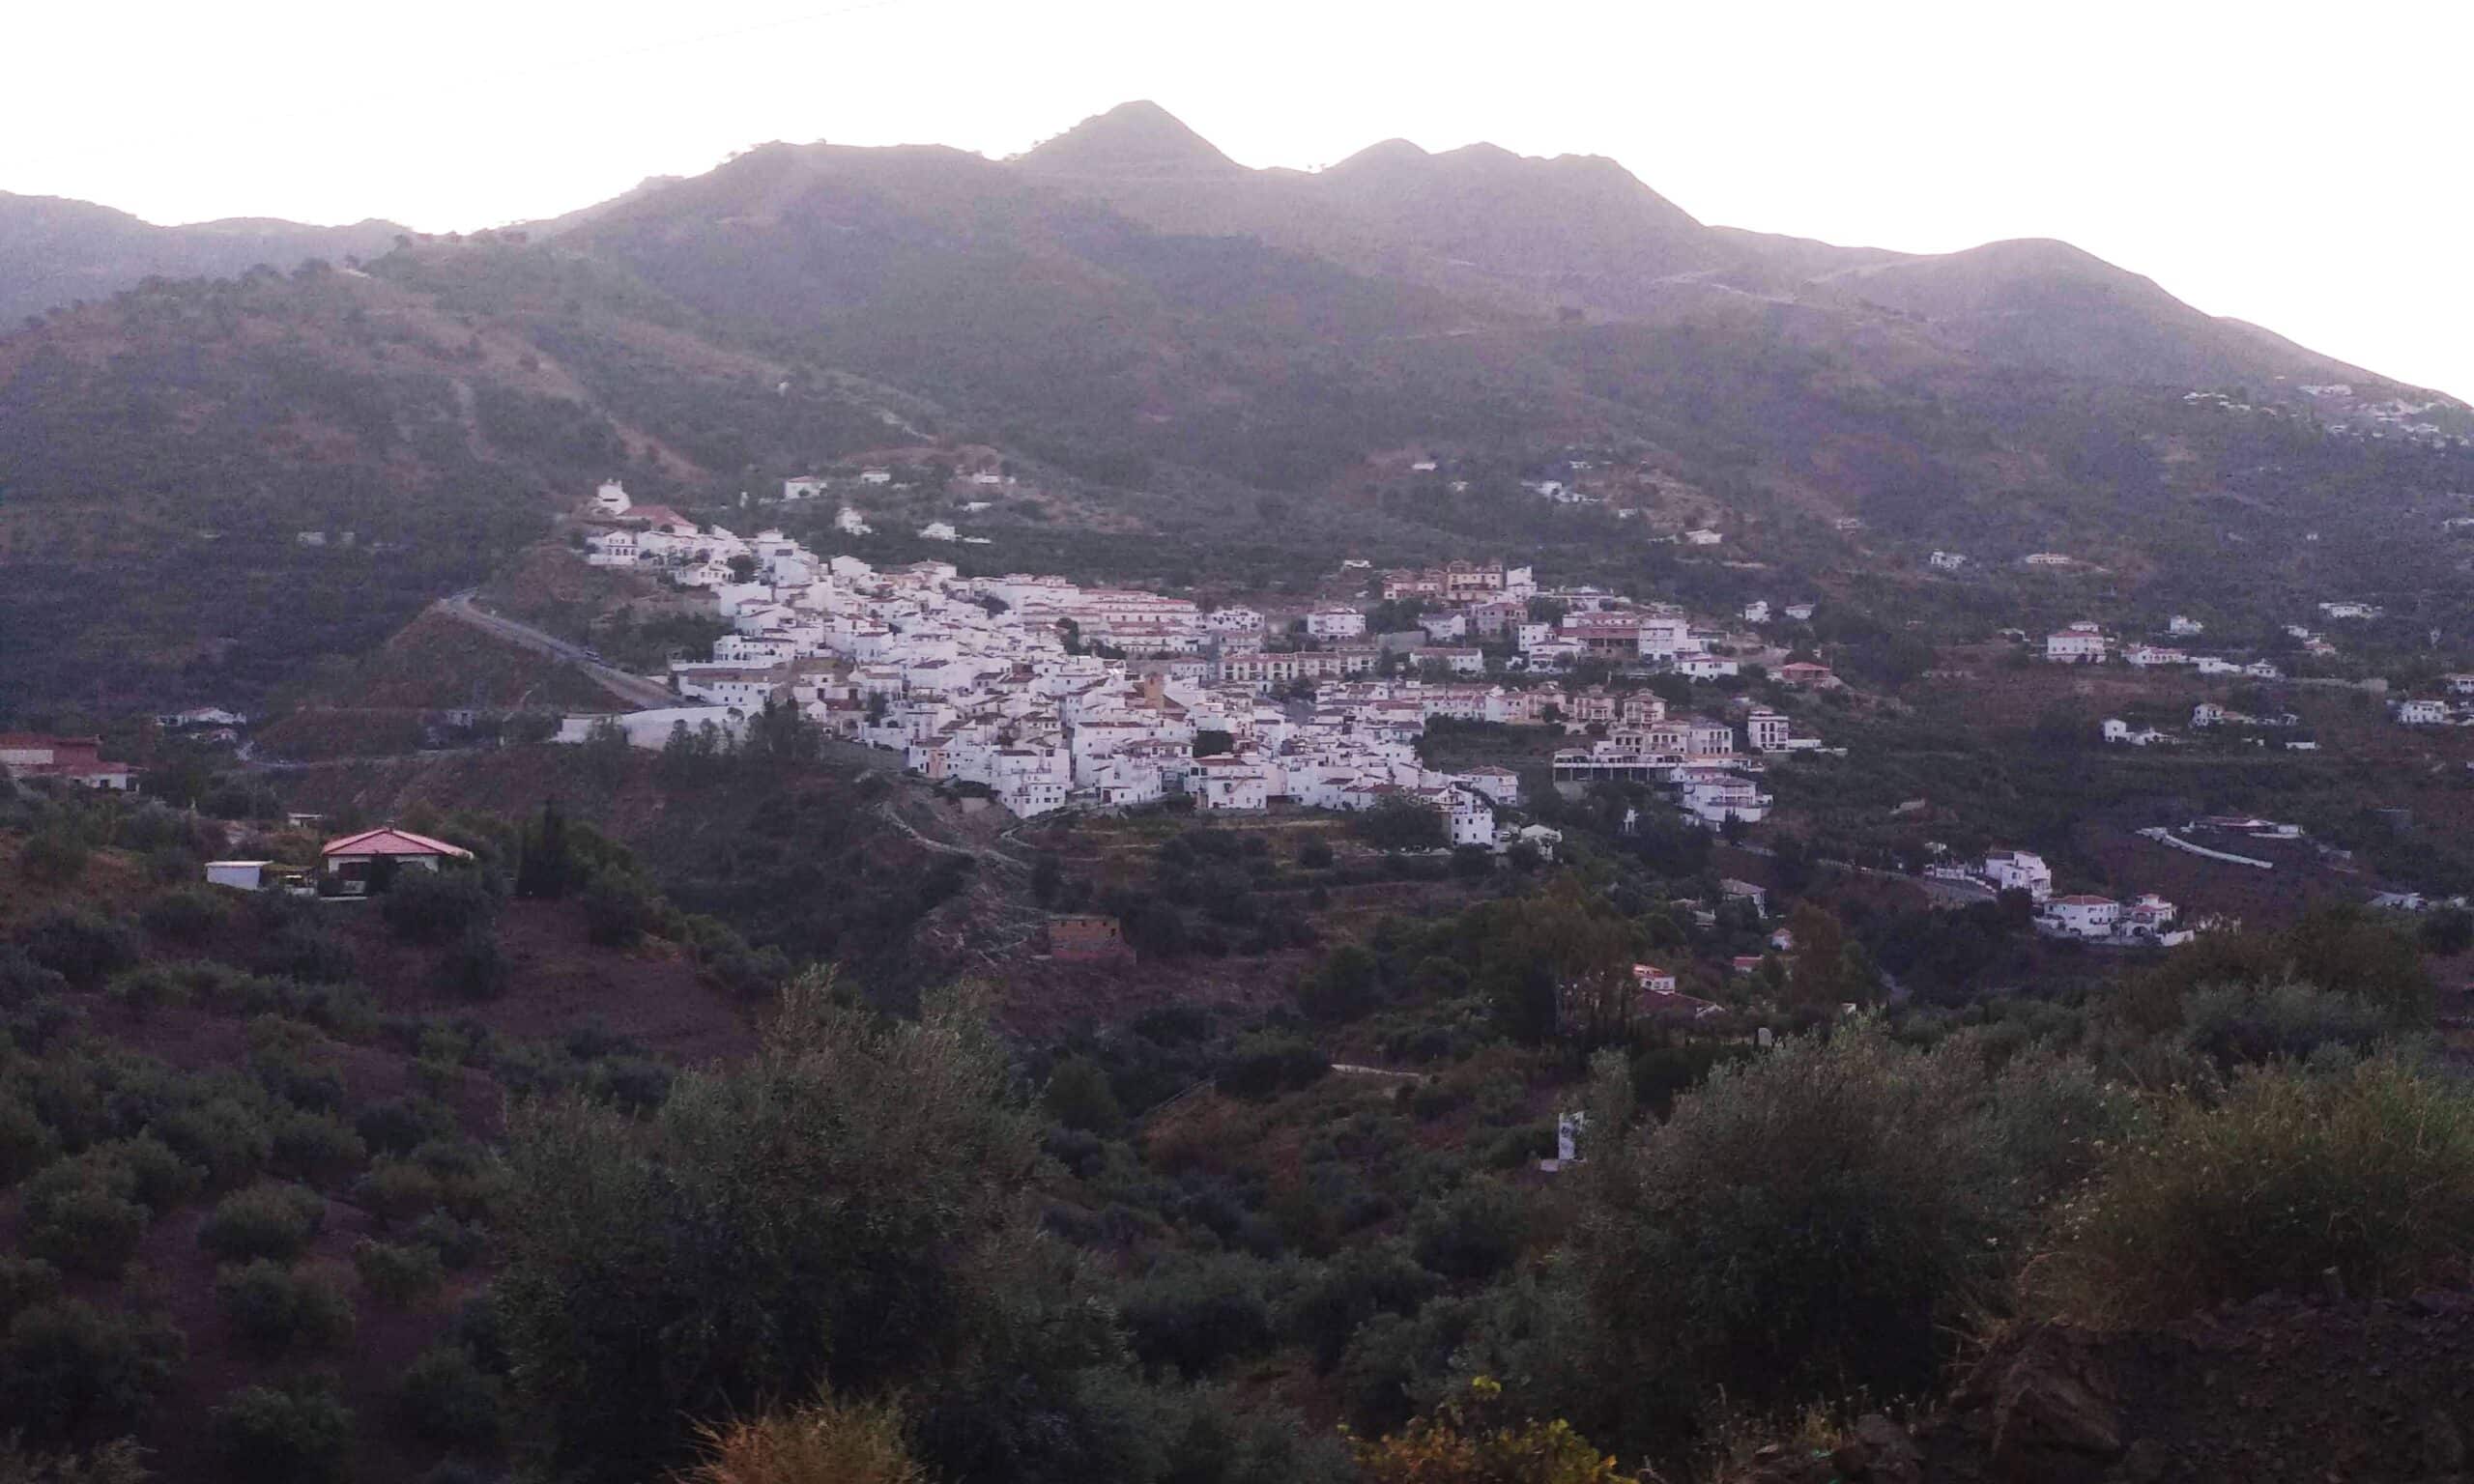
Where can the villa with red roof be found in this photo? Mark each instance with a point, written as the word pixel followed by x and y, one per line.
pixel 352 858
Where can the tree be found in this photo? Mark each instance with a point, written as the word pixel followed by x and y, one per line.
pixel 1079 1095
pixel 1401 824
pixel 827 1212
pixel 1474 1439
pixel 1211 743
pixel 1343 987
pixel 546 866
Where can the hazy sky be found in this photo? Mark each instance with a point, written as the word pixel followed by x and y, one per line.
pixel 2305 168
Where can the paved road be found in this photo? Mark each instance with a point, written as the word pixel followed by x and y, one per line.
pixel 635 690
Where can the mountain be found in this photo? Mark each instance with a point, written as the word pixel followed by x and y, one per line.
pixel 55 251
pixel 1205 369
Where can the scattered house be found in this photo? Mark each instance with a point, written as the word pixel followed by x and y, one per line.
pixel 848 521
pixel 1766 731
pixel 1087 940
pixel 2422 713
pixel 352 859
pixel 1947 562
pixel 1757 610
pixel 875 476
pixel 611 499
pixel 2047 559
pixel 1702 537
pixel 257 876
pixel 2181 627
pixel 1803 674
pixel 78 761
pixel 2348 611
pixel 1704 667
pixel 2020 870
pixel 2084 916
pixel 803 487
pixel 1651 979
pixel 2081 644
pixel 2121 734
pixel 1745 891
pixel 1800 613
pixel 938 530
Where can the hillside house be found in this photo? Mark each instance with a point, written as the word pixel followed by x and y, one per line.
pixel 2121 734
pixel 611 499
pixel 1649 978
pixel 2081 644
pixel 803 487
pixel 2181 626
pixel 1703 537
pixel 352 859
pixel 1946 561
pixel 1087 939
pixel 77 761
pixel 2084 916
pixel 1766 731
pixel 1757 610
pixel 2018 870
pixel 1234 620
pixel 2422 713
pixel 1802 674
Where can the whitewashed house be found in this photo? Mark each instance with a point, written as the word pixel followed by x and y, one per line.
pixel 2018 870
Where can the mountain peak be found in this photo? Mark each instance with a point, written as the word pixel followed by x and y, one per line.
pixel 1134 139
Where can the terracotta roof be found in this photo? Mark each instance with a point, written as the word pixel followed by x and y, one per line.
pixel 387 840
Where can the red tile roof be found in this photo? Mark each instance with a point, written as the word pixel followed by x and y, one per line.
pixel 387 840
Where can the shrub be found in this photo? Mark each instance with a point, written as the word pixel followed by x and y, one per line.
pixel 184 916
pixel 26 1143
pixel 1079 1095
pixel 1315 854
pixel 226 1135
pixel 69 1372
pixel 398 1190
pixel 1860 1200
pixel 24 1282
pixel 84 1215
pixel 823 1443
pixel 265 1220
pixel 1343 987
pixel 2368 1172
pixel 56 856
pixel 1473 1439
pixel 2235 1026
pixel 400 1124
pixel 1363 1281
pixel 315 1147
pixel 300 1434
pixel 474 967
pixel 457 1244
pixel 1263 1064
pixel 80 945
pixel 452 1403
pixel 616 909
pixel 1472 1234
pixel 401 1274
pixel 274 1310
pixel 1194 1313
pixel 433 907
pixel 159 1179
pixel 23 980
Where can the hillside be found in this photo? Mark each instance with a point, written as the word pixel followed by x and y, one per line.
pixel 57 251
pixel 1198 362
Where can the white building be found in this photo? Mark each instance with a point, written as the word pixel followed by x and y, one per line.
pixel 1947 562
pixel 2019 870
pixel 610 499
pixel 1766 731
pixel 938 530
pixel 2184 627
pixel 1234 620
pixel 1336 623
pixel 2423 713
pixel 2081 644
pixel 2084 917
pixel 804 486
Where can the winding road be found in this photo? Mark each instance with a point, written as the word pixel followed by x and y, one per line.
pixel 635 690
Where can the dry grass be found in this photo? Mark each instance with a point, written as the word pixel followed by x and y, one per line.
pixel 827 1442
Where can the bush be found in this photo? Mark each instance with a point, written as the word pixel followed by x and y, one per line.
pixel 226 1135
pixel 1078 1096
pixel 433 907
pixel 298 1435
pixel 616 909
pixel 24 1282
pixel 823 1443
pixel 2368 1172
pixel 1194 1313
pixel 23 980
pixel 474 967
pixel 80 945
pixel 1363 1281
pixel 69 1372
pixel 1859 1199
pixel 2235 1026
pixel 26 1143
pixel 1315 854
pixel 1263 1064
pixel 265 1220
pixel 186 916
pixel 400 1190
pixel 158 1179
pixel 274 1310
pixel 314 1146
pixel 452 1403
pixel 401 1274
pixel 1341 987
pixel 55 856
pixel 1472 1234
pixel 84 1214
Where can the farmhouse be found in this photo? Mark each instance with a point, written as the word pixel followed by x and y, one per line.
pixel 351 860
pixel 76 761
